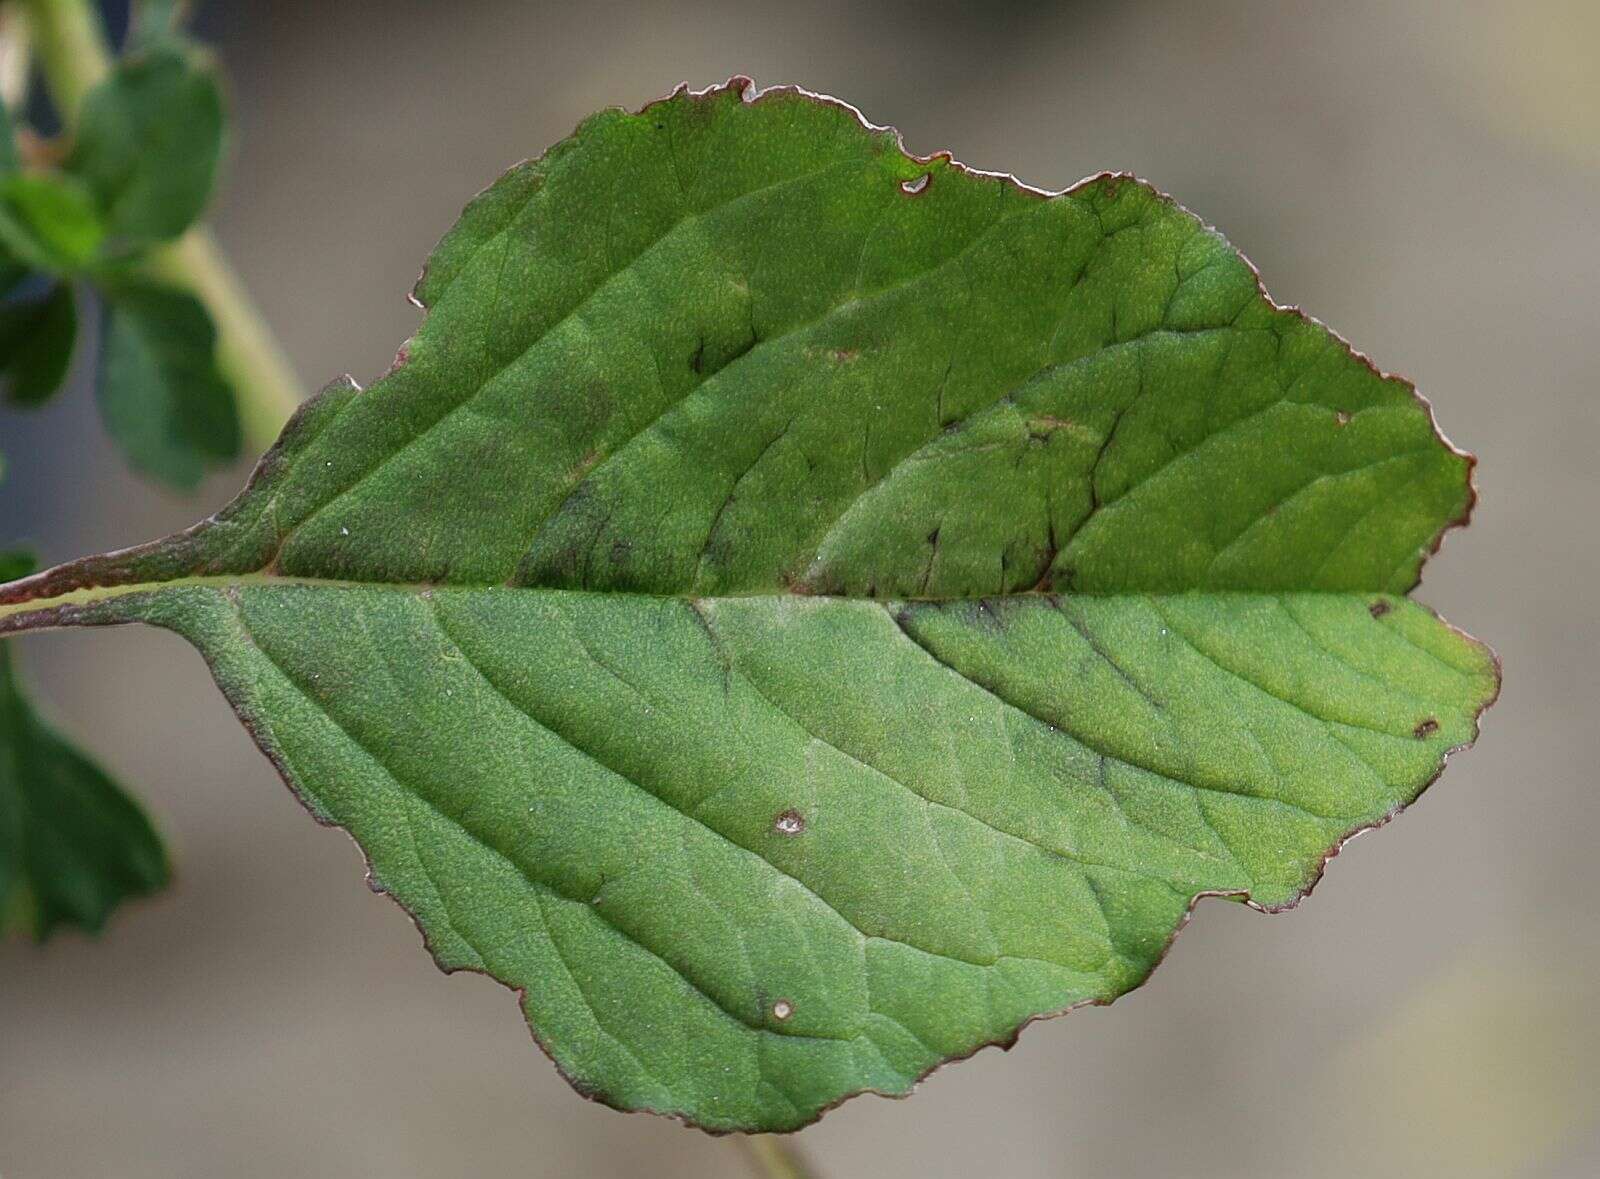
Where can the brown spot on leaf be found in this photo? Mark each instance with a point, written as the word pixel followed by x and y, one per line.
pixel 796 583
pixel 1042 426
pixel 1427 728
pixel 782 1009
pixel 1047 421
pixel 790 822
pixel 1379 608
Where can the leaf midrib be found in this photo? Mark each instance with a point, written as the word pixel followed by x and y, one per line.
pixel 30 613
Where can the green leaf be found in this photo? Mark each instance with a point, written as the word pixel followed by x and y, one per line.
pixel 16 563
pixel 49 222
pixel 161 396
pixel 73 845
pixel 797 612
pixel 12 271
pixel 37 335
pixel 10 161
pixel 148 143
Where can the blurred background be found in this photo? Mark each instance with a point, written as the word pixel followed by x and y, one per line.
pixel 1423 175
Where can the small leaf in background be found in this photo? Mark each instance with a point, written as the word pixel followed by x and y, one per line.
pixel 72 843
pixel 161 397
pixel 37 333
pixel 12 271
pixel 38 319
pixel 148 143
pixel 49 221
pixel 15 563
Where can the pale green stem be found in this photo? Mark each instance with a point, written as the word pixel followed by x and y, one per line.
pixel 74 57
pixel 248 354
pixel 71 48
pixel 773 1157
pixel 15 58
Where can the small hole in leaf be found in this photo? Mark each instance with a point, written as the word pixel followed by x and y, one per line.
pixel 1427 728
pixel 791 822
pixel 1379 608
pixel 1341 418
pixel 913 187
pixel 782 1009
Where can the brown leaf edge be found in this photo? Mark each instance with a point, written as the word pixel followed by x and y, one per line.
pixel 128 565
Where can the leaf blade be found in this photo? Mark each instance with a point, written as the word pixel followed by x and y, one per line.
pixel 920 589
pixel 148 144
pixel 49 223
pixel 161 395
pixel 37 339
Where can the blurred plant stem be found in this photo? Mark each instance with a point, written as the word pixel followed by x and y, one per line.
pixel 70 46
pixel 774 1158
pixel 16 63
